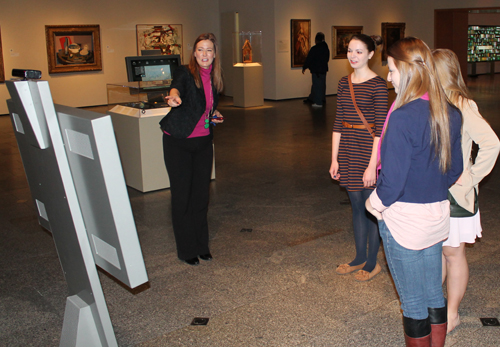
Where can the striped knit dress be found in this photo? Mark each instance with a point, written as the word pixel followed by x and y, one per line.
pixel 356 145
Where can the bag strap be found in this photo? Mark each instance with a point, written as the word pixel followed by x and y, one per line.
pixel 363 119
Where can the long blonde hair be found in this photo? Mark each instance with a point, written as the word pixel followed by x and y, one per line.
pixel 449 73
pixel 216 73
pixel 418 76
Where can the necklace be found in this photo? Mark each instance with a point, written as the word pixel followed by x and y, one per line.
pixel 207 113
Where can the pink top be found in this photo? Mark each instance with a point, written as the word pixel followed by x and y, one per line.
pixel 414 226
pixel 379 165
pixel 199 129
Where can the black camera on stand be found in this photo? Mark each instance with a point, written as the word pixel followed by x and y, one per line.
pixel 27 74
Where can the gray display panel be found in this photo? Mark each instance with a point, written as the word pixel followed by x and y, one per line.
pixel 49 177
pixel 64 178
pixel 100 185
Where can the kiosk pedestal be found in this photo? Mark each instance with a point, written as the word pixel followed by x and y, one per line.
pixel 139 140
pixel 248 85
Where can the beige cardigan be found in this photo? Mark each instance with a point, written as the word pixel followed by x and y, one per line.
pixel 474 128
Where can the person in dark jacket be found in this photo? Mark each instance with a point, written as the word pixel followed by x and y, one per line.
pixel 317 63
pixel 187 146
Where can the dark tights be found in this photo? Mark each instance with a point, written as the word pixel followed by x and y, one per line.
pixel 365 231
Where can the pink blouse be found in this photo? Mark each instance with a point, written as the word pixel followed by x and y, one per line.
pixel 415 226
pixel 199 129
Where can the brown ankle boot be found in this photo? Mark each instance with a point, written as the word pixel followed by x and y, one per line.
pixel 439 324
pixel 417 332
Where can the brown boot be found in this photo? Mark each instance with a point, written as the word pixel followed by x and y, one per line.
pixel 417 332
pixel 439 325
pixel 418 342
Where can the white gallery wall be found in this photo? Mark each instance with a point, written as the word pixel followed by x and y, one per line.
pixel 23 23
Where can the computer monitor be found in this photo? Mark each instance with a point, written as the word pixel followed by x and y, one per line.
pixel 151 68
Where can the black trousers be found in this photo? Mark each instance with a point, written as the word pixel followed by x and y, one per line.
pixel 189 167
pixel 318 88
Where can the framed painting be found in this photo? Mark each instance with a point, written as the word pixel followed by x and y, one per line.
pixel 73 48
pixel 340 40
pixel 300 30
pixel 2 71
pixel 164 38
pixel 391 32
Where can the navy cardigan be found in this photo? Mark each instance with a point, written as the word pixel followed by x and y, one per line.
pixel 410 171
pixel 181 121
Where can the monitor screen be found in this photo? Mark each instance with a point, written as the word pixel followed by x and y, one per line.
pixel 151 68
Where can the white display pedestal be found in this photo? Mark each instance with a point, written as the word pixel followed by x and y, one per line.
pixel 140 144
pixel 139 140
pixel 248 85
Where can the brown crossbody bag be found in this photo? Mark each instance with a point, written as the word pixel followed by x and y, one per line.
pixel 363 119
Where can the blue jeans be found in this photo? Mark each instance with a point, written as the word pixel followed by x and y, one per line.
pixel 416 274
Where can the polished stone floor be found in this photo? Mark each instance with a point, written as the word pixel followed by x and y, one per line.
pixel 273 286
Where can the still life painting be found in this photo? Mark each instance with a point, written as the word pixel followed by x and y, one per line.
pixel 73 48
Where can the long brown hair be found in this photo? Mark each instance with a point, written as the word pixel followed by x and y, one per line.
pixel 418 75
pixel 216 73
pixel 449 73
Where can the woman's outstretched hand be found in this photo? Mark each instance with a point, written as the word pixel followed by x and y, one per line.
pixel 173 100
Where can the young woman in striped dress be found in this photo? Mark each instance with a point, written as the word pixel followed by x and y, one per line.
pixel 354 150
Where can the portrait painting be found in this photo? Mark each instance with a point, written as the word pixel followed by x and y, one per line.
pixel 2 71
pixel 391 32
pixel 300 41
pixel 164 38
pixel 341 35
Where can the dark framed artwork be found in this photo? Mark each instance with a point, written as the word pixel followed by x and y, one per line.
pixel 300 32
pixel 2 71
pixel 340 40
pixel 73 48
pixel 164 38
pixel 391 32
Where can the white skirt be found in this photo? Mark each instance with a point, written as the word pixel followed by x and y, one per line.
pixel 464 229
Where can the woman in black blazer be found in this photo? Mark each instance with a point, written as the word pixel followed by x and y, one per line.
pixel 187 146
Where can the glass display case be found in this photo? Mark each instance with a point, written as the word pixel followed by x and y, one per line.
pixel 247 48
pixel 140 95
pixel 483 43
